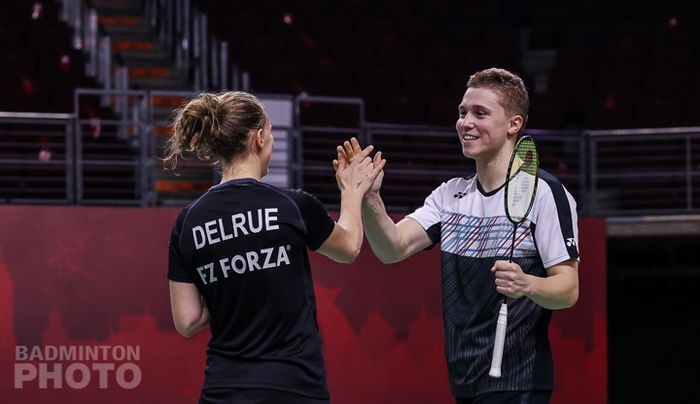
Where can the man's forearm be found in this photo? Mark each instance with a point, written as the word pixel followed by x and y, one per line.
pixel 381 230
pixel 558 291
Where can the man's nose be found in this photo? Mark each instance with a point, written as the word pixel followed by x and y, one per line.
pixel 467 122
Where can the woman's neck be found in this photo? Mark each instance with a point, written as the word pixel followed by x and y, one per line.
pixel 234 170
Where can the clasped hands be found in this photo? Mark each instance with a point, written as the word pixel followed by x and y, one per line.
pixel 354 169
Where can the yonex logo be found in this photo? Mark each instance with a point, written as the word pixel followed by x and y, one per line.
pixel 460 195
pixel 570 242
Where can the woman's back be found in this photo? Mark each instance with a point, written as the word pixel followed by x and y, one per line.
pixel 238 258
pixel 244 245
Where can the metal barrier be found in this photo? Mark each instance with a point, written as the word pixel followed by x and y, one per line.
pixel 419 158
pixel 322 123
pixel 36 158
pixel 116 160
pixel 114 156
pixel 644 171
pixel 609 173
pixel 113 160
pixel 564 155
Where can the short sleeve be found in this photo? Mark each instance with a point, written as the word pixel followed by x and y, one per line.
pixel 429 216
pixel 177 269
pixel 319 225
pixel 556 223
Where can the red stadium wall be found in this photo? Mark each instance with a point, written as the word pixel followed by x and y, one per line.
pixel 76 277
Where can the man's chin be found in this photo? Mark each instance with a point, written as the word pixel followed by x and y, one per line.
pixel 468 153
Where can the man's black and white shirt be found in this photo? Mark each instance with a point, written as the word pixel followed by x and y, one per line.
pixel 473 231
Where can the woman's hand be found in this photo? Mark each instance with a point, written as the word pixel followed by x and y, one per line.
pixel 352 153
pixel 355 170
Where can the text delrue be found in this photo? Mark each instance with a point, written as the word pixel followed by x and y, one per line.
pixel 239 224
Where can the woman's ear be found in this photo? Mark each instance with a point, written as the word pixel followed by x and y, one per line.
pixel 260 138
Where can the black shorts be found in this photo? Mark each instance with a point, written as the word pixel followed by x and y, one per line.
pixel 509 397
pixel 255 396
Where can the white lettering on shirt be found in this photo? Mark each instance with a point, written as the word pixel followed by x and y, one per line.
pixel 246 262
pixel 241 224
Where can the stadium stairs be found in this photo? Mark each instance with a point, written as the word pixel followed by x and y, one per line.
pixel 151 67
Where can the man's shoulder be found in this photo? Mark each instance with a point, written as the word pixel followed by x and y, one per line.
pixel 458 182
pixel 549 179
pixel 454 187
pixel 550 184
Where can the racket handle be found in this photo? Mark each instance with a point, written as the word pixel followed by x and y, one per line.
pixel 499 341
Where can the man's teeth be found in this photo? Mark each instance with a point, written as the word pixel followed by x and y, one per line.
pixel 468 137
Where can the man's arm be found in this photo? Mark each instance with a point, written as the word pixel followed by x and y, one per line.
pixel 391 242
pixel 559 290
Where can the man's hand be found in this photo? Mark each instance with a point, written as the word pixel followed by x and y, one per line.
pixel 349 152
pixel 511 280
pixel 359 172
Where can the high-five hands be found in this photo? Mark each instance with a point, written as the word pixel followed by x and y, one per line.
pixel 350 152
pixel 354 169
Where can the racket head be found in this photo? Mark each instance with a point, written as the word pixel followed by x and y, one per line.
pixel 521 180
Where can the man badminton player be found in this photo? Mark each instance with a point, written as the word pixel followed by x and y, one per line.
pixel 467 217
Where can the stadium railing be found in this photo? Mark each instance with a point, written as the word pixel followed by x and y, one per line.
pixel 36 158
pixel 644 171
pixel 610 173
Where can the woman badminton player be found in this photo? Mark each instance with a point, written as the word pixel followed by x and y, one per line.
pixel 238 256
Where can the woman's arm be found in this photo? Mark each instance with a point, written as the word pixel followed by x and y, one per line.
pixel 190 312
pixel 354 179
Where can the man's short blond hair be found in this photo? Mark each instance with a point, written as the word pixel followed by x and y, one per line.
pixel 510 86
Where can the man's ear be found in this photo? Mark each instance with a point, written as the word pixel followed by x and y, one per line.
pixel 515 124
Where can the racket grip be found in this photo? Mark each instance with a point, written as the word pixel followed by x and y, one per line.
pixel 499 341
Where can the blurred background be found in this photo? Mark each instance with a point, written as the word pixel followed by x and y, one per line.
pixel 88 90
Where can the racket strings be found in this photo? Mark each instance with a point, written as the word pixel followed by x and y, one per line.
pixel 522 180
